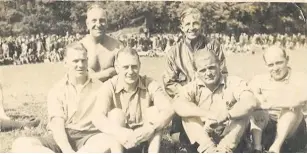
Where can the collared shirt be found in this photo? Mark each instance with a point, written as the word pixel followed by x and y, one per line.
pixel 74 105
pixel 134 104
pixel 222 99
pixel 267 90
pixel 179 66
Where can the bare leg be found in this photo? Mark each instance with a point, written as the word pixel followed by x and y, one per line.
pixel 29 145
pixel 286 126
pixel 233 135
pixel 259 121
pixel 154 143
pixel 118 117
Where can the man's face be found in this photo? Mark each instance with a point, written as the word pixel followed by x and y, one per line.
pixel 96 22
pixel 77 63
pixel 277 65
pixel 128 68
pixel 191 26
pixel 209 71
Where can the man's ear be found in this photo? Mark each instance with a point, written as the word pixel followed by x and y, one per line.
pixel 116 67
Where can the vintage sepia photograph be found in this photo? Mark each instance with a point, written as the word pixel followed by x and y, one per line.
pixel 153 77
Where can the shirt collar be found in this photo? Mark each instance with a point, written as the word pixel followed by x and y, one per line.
pixel 68 82
pixel 199 43
pixel 120 84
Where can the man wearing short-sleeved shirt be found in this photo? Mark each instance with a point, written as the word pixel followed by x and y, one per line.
pixel 71 103
pixel 134 109
pixel 214 107
pixel 281 93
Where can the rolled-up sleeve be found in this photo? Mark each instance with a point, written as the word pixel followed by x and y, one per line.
pixel 158 96
pixel 55 105
pixel 104 99
pixel 238 87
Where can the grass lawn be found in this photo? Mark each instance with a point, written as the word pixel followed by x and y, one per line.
pixel 25 87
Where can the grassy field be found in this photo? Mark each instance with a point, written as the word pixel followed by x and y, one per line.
pixel 25 87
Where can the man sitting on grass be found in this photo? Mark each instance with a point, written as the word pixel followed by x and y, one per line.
pixel 134 109
pixel 214 108
pixel 71 104
pixel 281 93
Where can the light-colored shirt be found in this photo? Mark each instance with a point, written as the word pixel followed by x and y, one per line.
pixel 134 104
pixel 179 63
pixel 75 106
pixel 291 88
pixel 222 99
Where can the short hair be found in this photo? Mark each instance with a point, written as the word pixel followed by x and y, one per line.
pixel 189 11
pixel 95 6
pixel 204 54
pixel 74 46
pixel 275 47
pixel 129 51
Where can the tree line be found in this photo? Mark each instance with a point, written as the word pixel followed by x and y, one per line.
pixel 23 17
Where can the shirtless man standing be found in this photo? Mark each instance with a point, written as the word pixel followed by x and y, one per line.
pixel 101 48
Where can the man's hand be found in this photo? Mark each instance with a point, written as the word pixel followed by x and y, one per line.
pixel 143 134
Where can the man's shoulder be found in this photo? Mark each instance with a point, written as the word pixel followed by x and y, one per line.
pixel 260 79
pixel 112 43
pixel 298 75
pixel 173 50
pixel 233 80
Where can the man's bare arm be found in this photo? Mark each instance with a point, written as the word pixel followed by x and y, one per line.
pixel 104 75
pixel 188 109
pixel 248 102
pixel 59 134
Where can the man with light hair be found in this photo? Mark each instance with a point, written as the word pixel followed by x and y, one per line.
pixel 71 104
pixel 101 47
pixel 133 109
pixel 282 94
pixel 215 108
pixel 180 59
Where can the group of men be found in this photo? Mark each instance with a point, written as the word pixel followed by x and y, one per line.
pixel 102 104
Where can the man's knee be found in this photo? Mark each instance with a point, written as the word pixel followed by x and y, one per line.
pixel 23 143
pixel 259 120
pixel 117 116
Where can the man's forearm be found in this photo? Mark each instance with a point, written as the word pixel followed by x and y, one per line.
pixel 188 110
pixel 107 126
pixel 60 136
pixel 104 74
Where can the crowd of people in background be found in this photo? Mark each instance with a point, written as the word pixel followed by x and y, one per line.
pixel 34 48
pixel 50 48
